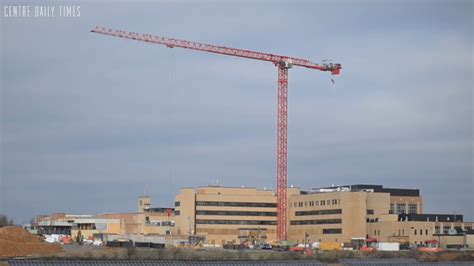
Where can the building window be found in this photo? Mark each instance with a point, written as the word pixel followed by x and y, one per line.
pixel 392 208
pixel 403 232
pixel 87 226
pixel 401 208
pixel 426 232
pixel 176 213
pixel 375 232
pixel 328 202
pixel 421 232
pixel 235 204
pixel 437 229
pixel 300 204
pixel 415 231
pixel 370 211
pixel 306 204
pixel 177 203
pixel 167 223
pixel 318 212
pixel 323 203
pixel 412 208
pixel 235 222
pixel 446 229
pixel 317 202
pixel 236 213
pixel 321 221
pixel 332 231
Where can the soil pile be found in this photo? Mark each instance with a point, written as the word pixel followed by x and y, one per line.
pixel 17 242
pixel 445 256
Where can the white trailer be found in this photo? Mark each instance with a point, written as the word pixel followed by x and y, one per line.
pixel 386 246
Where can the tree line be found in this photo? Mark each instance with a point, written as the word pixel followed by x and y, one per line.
pixel 5 221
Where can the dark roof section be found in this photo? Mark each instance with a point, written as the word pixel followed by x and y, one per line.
pixel 403 192
pixel 431 217
pixel 393 191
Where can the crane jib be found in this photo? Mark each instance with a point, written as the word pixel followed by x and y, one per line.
pixel 172 43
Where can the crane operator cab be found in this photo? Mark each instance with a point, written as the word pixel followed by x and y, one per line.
pixel 334 68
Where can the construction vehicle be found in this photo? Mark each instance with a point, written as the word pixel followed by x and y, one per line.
pixel 327 246
pixel 369 244
pixel 431 245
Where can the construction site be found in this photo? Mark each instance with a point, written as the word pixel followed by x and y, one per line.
pixel 364 222
pixel 355 219
pixel 362 218
pixel 325 225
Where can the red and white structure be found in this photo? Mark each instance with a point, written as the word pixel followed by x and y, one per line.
pixel 283 63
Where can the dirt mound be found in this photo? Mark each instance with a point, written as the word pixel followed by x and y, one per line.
pixel 17 242
pixel 446 256
pixel 18 234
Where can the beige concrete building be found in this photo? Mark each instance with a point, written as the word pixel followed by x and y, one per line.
pixel 90 228
pixel 144 203
pixel 334 216
pixel 226 214
pixel 146 221
pixel 470 239
pixel 331 214
pixel 221 215
pixel 448 229
pixel 340 213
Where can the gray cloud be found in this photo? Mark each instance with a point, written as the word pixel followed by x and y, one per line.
pixel 89 122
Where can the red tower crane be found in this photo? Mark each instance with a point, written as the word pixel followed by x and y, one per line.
pixel 283 63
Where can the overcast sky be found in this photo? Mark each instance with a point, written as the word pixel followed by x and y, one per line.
pixel 91 122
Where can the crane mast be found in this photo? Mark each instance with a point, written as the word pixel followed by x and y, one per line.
pixel 283 63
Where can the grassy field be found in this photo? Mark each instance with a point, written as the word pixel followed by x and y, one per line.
pixel 89 252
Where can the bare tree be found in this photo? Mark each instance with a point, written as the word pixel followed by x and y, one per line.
pixel 4 221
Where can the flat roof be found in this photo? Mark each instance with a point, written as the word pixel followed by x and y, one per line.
pixel 404 192
pixel 238 187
